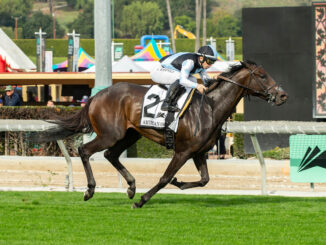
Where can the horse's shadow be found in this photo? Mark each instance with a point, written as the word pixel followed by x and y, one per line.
pixel 207 201
pixel 228 201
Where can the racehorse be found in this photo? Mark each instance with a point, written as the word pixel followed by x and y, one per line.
pixel 114 115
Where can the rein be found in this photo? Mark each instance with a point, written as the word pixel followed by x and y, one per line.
pixel 252 75
pixel 200 108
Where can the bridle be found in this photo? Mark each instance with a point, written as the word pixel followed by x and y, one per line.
pixel 270 97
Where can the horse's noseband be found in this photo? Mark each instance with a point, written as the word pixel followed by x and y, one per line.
pixel 270 97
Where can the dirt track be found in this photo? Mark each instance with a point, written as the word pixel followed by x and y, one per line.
pixel 224 174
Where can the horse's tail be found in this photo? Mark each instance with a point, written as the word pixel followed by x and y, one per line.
pixel 66 126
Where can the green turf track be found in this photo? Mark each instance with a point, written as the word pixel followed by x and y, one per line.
pixel 64 218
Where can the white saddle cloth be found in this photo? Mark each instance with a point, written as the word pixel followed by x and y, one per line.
pixel 152 116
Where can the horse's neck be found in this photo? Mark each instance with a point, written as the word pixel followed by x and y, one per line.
pixel 226 97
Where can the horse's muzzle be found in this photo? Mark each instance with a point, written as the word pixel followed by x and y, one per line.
pixel 279 96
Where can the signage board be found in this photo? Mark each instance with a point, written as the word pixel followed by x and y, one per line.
pixel 308 158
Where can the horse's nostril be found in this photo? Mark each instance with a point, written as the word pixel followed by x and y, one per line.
pixel 284 97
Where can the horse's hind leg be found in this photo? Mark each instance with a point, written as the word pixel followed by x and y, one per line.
pixel 85 152
pixel 113 153
pixel 201 165
pixel 176 163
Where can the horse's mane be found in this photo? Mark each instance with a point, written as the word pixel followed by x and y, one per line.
pixel 231 71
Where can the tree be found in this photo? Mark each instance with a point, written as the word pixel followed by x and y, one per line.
pixel 178 8
pixel 14 8
pixel 204 21
pixel 198 19
pixel 188 23
pixel 218 24
pixel 140 19
pixel 229 26
pixel 84 24
pixel 171 25
pixel 39 20
pixel 78 4
pixel 71 3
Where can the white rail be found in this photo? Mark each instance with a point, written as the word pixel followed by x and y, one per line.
pixel 276 127
pixel 246 127
pixel 9 125
pixel 272 127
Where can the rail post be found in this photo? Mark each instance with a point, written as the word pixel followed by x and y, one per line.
pixel 261 161
pixel 69 163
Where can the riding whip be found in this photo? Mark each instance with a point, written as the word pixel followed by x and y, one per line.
pixel 201 105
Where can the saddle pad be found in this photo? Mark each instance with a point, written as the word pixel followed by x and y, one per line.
pixel 153 117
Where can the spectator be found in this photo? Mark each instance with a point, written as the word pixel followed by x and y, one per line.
pixel 84 101
pixel 1 102
pixel 220 144
pixel 50 103
pixel 30 97
pixel 11 98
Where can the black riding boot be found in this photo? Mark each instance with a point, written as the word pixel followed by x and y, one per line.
pixel 170 96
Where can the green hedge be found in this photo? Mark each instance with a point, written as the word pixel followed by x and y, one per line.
pixel 144 148
pixel 238 146
pixel 238 139
pixel 60 46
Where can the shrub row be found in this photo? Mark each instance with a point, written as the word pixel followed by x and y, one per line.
pixel 143 149
pixel 238 139
pixel 60 46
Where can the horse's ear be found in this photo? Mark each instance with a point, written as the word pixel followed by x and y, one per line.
pixel 244 63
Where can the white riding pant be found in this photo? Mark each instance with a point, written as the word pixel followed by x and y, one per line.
pixel 166 76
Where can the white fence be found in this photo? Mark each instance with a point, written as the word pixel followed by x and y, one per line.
pixel 249 127
pixel 34 126
pixel 272 127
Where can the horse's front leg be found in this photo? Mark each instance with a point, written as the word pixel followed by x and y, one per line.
pixel 201 165
pixel 176 163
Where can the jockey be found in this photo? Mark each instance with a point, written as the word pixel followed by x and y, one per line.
pixel 177 71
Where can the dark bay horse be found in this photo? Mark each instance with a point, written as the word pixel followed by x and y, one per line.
pixel 114 115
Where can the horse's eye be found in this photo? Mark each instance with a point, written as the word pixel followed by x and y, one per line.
pixel 263 76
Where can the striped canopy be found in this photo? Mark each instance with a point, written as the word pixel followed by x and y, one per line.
pixel 152 52
pixel 84 62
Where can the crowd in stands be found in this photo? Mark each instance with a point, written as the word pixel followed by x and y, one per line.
pixel 11 96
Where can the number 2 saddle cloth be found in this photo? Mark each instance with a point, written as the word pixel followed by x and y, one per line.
pixel 153 117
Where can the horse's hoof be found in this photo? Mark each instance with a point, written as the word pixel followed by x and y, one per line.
pixel 131 192
pixel 174 181
pixel 136 205
pixel 88 195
